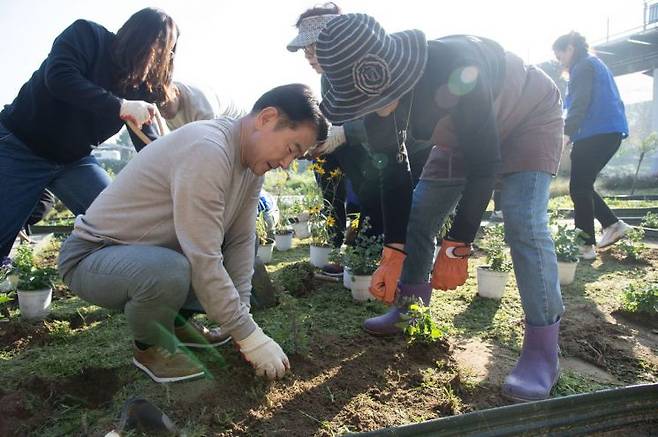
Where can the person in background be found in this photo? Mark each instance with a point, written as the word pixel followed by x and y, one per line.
pixel 595 125
pixel 174 234
pixel 489 116
pixel 344 148
pixel 90 83
pixel 392 169
pixel 190 103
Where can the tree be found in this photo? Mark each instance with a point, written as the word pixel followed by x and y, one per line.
pixel 648 145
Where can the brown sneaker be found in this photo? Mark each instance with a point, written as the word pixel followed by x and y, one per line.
pixel 163 366
pixel 194 334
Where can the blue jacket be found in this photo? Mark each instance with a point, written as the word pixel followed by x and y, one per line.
pixel 593 104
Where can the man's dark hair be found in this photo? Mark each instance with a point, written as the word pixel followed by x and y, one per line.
pixel 297 105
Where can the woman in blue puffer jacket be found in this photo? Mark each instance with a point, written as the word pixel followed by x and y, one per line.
pixel 595 124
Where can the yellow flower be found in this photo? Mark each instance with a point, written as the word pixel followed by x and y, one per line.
pixel 320 161
pixel 319 170
pixel 335 173
pixel 331 221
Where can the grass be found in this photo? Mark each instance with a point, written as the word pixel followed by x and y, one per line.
pixel 79 336
pixel 564 202
pixel 572 383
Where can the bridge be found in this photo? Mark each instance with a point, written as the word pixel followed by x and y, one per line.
pixel 634 51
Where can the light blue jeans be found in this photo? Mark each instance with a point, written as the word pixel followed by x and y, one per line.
pixel 524 199
pixel 24 175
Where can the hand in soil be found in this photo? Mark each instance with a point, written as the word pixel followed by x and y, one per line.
pixel 264 354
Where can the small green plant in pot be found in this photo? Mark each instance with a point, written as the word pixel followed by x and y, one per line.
pixel 323 230
pixel 567 249
pixel 283 231
pixel 265 240
pixel 34 285
pixel 8 276
pixel 362 259
pixel 492 278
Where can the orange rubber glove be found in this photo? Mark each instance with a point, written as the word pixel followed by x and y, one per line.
pixel 384 281
pixel 451 265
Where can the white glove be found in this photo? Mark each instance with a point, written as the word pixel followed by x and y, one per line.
pixel 335 139
pixel 264 354
pixel 137 111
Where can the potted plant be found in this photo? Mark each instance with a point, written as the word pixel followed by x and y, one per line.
pixel 282 231
pixel 492 278
pixel 34 286
pixel 300 220
pixel 362 259
pixel 265 242
pixel 322 225
pixel 567 249
pixel 8 276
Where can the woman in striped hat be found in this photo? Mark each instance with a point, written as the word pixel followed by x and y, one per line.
pixel 366 167
pixel 487 115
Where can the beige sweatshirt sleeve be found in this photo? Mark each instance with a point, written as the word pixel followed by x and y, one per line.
pixel 198 188
pixel 240 245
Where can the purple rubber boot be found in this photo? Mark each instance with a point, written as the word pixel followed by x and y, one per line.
pixel 385 325
pixel 538 368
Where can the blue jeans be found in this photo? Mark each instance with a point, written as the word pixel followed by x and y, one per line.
pixel 24 175
pixel 524 200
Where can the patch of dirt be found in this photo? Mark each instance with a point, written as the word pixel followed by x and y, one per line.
pixel 18 335
pixel 15 417
pixel 612 347
pixel 77 320
pixel 645 320
pixel 484 361
pixel 92 388
pixel 339 385
pixel 584 368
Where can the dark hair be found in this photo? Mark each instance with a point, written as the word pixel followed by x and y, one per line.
pixel 296 105
pixel 574 39
pixel 329 8
pixel 146 40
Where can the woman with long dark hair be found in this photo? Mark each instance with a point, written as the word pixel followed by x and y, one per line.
pixel 595 124
pixel 91 82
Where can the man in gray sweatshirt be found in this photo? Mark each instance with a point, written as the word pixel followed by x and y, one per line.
pixel 177 226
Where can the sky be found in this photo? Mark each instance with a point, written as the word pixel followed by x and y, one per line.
pixel 237 48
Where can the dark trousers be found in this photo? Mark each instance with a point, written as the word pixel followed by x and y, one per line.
pixel 42 208
pixel 588 157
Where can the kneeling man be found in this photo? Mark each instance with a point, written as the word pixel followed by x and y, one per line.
pixel 174 234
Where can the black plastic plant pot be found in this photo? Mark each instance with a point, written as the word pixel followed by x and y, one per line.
pixel 580 414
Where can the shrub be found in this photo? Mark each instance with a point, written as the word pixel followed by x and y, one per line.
pixel 30 277
pixel 362 258
pixel 567 243
pixel 650 220
pixel 632 247
pixel 493 245
pixel 642 298
pixel 297 278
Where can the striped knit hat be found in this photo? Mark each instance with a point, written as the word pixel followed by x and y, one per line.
pixel 366 68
